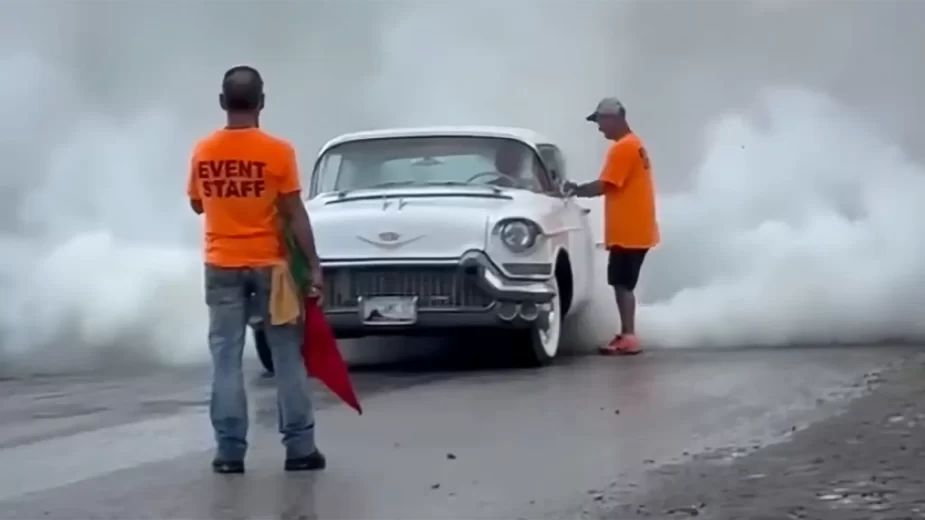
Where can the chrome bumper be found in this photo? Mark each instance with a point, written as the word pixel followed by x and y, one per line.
pixel 465 292
pixel 490 279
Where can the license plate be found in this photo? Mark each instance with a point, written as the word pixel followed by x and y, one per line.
pixel 389 310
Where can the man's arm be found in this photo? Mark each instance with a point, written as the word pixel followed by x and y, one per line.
pixel 192 188
pixel 613 174
pixel 588 189
pixel 291 206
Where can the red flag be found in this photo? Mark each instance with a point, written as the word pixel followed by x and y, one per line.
pixel 322 357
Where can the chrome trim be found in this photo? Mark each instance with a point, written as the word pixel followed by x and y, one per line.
pixel 469 283
pixel 502 288
pixel 507 311
pixel 468 195
pixel 526 290
pixel 505 269
pixel 529 311
pixel 437 287
pixel 563 230
pixel 336 262
pixel 528 268
pixel 389 244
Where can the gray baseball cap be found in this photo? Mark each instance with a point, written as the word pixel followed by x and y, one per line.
pixel 610 106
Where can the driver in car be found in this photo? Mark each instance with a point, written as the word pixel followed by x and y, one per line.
pixel 509 162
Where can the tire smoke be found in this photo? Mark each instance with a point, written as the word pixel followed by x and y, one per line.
pixel 784 137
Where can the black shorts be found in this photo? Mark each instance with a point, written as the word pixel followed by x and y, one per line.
pixel 623 267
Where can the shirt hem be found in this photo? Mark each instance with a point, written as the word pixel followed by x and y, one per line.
pixel 243 264
pixel 650 245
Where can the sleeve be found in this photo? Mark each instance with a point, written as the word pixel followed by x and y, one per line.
pixel 192 187
pixel 289 171
pixel 617 165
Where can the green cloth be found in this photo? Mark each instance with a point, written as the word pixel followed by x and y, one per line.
pixel 298 264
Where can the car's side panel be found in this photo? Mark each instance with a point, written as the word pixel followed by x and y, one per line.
pixel 582 258
pixel 580 242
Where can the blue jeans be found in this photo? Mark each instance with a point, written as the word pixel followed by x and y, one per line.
pixel 233 296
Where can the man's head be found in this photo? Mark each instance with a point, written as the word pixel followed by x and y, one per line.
pixel 242 90
pixel 509 158
pixel 610 116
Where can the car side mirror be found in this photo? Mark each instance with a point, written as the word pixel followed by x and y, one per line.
pixel 557 180
pixel 555 177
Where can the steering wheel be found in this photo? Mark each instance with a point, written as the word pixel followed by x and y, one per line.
pixel 496 175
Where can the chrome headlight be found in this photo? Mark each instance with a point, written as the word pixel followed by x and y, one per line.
pixel 518 235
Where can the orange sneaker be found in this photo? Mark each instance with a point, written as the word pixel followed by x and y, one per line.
pixel 627 345
pixel 611 348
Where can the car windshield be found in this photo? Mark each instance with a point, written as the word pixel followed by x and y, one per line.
pixel 429 160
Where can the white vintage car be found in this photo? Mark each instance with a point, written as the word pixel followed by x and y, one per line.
pixel 429 231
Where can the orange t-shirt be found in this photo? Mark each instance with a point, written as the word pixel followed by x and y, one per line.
pixel 239 175
pixel 629 196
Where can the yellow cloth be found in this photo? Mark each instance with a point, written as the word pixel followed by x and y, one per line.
pixel 285 303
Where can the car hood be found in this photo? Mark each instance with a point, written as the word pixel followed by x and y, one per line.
pixel 404 224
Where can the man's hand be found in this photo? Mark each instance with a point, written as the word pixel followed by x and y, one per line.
pixel 588 189
pixel 569 187
pixel 316 288
pixel 290 204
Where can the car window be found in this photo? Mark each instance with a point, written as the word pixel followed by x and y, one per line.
pixel 552 158
pixel 447 168
pixel 333 162
pixel 407 161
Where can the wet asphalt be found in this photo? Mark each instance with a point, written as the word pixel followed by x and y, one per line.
pixel 433 443
pixel 866 463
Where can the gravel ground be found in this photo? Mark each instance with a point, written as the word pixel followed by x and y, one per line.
pixel 867 463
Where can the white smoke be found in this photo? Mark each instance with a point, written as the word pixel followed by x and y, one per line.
pixel 783 141
pixel 800 231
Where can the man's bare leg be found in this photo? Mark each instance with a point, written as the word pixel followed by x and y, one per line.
pixel 626 306
pixel 623 273
pixel 626 343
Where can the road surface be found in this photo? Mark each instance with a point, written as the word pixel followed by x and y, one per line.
pixel 432 444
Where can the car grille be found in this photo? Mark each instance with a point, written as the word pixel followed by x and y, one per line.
pixel 437 287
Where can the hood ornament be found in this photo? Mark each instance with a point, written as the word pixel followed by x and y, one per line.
pixel 389 240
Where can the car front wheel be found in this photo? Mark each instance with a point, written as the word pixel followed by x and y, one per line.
pixel 539 345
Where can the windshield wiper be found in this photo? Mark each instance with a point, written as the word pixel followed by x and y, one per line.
pixel 398 184
pixel 390 184
pixel 492 187
pixel 446 183
pixel 393 184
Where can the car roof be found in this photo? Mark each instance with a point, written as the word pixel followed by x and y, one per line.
pixel 529 137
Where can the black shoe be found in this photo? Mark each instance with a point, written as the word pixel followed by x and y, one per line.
pixel 313 462
pixel 228 467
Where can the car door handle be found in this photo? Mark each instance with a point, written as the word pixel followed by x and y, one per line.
pixel 585 211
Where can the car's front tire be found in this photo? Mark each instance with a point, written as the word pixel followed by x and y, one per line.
pixel 539 345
